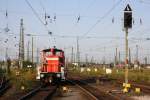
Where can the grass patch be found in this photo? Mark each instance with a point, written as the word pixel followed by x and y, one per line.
pixel 23 78
pixel 136 75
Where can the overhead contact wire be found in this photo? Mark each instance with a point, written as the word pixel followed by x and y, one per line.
pixel 104 16
pixel 36 14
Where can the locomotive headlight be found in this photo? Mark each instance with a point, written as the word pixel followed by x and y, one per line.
pixel 42 75
pixel 58 75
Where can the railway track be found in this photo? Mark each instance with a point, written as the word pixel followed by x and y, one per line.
pixel 40 93
pixel 120 82
pixel 94 92
pixel 144 88
pixel 4 86
pixel 88 93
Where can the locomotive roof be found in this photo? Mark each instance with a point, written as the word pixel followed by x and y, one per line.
pixel 55 49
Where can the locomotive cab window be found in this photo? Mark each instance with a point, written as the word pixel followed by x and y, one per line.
pixel 58 53
pixel 48 53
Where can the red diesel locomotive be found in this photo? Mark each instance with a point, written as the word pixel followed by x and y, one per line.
pixel 52 68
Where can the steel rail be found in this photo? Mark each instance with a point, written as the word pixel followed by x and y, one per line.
pixel 30 94
pixel 84 90
pixel 37 90
pixel 50 94
pixel 4 86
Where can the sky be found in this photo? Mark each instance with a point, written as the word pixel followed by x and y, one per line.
pixel 98 35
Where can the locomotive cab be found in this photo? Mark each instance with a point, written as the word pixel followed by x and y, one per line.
pixel 52 65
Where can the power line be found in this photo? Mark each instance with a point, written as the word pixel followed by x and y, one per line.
pixel 79 16
pixel 36 14
pixel 58 14
pixel 89 5
pixel 86 37
pixel 40 2
pixel 104 16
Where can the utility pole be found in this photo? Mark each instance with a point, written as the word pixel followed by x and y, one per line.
pixel 32 50
pixel 126 61
pixel 21 45
pixel 66 63
pixel 6 53
pixel 137 53
pixel 129 56
pixel 119 58
pixel 71 55
pixel 145 61
pixel 28 50
pixel 78 53
pixel 37 54
pixel 92 59
pixel 6 57
pixel 74 57
pixel 104 56
pixel 8 62
pixel 86 58
pixel 116 57
pixel 127 25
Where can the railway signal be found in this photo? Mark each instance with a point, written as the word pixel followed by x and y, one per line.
pixel 127 25
pixel 128 17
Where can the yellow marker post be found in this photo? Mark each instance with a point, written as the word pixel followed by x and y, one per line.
pixel 125 90
pixel 127 87
pixel 124 84
pixel 137 90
